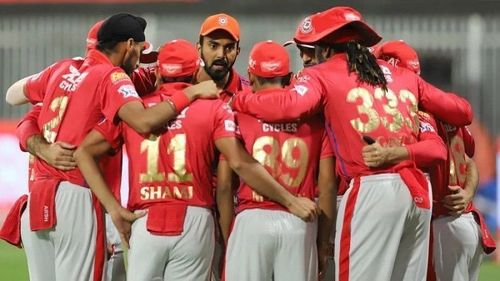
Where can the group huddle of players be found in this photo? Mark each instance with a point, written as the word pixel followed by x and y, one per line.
pixel 238 179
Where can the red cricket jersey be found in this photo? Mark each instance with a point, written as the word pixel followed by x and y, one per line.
pixel 353 109
pixel 76 95
pixel 174 165
pixel 427 152
pixel 454 171
pixel 289 151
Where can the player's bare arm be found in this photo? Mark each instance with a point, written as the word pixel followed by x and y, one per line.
pixel 15 94
pixel 87 155
pixel 302 100
pixel 261 181
pixel 461 197
pixel 147 120
pixel 58 154
pixel 327 204
pixel 224 198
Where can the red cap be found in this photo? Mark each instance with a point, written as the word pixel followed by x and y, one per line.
pixel 269 59
pixel 337 25
pixel 223 22
pixel 92 35
pixel 178 58
pixel 304 28
pixel 398 53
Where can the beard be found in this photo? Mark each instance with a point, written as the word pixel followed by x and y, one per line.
pixel 217 74
pixel 128 66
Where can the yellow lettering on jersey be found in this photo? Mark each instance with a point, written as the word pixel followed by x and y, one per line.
pixel 119 76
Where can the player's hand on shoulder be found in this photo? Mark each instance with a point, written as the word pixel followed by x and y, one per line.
pixel 304 208
pixel 203 90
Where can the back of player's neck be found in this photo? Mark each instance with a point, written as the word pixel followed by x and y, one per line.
pixel 268 86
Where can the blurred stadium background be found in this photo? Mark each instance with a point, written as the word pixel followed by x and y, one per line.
pixel 458 42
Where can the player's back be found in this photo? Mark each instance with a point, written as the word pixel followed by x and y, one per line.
pixel 76 94
pixel 353 110
pixel 289 151
pixel 174 165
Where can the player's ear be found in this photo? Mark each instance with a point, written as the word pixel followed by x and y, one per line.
pixel 158 76
pixel 251 78
pixel 198 47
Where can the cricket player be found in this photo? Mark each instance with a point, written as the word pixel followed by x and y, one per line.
pixel 385 214
pixel 460 237
pixel 170 177
pixel 219 46
pixel 308 57
pixel 80 92
pixel 267 242
pixel 306 51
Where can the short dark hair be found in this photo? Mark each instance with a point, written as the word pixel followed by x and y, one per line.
pixel 184 79
pixel 283 80
pixel 201 38
pixel 106 46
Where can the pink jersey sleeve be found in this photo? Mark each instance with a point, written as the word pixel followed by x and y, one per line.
pixel 430 149
pixel 469 144
pixel 144 79
pixel 35 86
pixel 111 132
pixel 326 147
pixel 117 90
pixel 28 126
pixel 447 107
pixel 225 125
pixel 302 99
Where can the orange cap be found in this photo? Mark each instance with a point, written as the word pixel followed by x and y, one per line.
pixel 223 22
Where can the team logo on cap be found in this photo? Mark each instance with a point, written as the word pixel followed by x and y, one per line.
pixel 270 66
pixel 306 26
pixel 222 20
pixel 352 17
pixel 171 68
pixel 251 63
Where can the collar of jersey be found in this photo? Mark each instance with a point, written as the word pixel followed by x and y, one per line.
pixel 99 56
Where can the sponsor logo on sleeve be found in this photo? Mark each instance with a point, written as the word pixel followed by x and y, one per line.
pixel 119 76
pixel 426 127
pixel 229 125
pixel 128 91
pixel 300 89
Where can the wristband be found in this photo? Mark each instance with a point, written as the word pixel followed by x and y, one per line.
pixel 179 100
